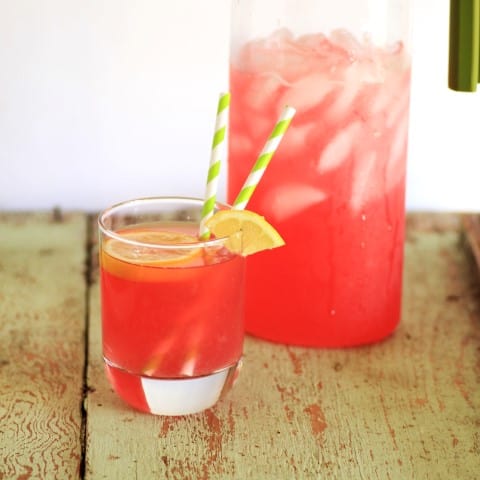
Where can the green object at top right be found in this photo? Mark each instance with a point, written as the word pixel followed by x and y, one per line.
pixel 464 53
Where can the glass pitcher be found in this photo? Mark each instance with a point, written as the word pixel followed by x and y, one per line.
pixel 335 187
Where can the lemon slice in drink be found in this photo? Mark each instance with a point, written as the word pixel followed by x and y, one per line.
pixel 150 254
pixel 247 231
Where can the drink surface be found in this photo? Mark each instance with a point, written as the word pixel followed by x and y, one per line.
pixel 335 188
pixel 174 315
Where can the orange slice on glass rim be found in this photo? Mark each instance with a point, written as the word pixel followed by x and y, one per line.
pixel 148 248
pixel 247 232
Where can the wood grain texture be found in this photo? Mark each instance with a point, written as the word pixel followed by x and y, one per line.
pixel 42 318
pixel 406 408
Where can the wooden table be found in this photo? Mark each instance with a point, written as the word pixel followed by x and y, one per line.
pixel 408 408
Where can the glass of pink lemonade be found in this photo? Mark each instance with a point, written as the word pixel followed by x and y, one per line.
pixel 172 306
pixel 335 188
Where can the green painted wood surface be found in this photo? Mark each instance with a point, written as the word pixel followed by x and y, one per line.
pixel 408 407
pixel 42 343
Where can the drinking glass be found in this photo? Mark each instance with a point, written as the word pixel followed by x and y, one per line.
pixel 172 306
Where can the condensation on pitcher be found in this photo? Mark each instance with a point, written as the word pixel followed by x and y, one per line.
pixel 333 312
pixel 363 217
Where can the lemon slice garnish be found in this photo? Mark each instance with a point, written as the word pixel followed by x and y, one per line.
pixel 147 249
pixel 247 231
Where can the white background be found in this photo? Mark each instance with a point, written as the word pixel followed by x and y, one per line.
pixel 103 100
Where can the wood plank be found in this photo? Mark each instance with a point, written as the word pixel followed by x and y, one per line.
pixel 471 224
pixel 408 407
pixel 42 343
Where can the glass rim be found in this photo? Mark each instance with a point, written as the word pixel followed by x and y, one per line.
pixel 164 246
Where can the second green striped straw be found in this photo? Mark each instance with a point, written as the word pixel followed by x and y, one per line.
pixel 264 158
pixel 217 152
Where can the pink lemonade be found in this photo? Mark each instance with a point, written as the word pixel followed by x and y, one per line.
pixel 335 188
pixel 176 316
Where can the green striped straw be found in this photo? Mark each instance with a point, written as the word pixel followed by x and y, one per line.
pixel 264 158
pixel 218 151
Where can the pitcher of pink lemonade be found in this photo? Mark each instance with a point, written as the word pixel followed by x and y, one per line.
pixel 335 188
